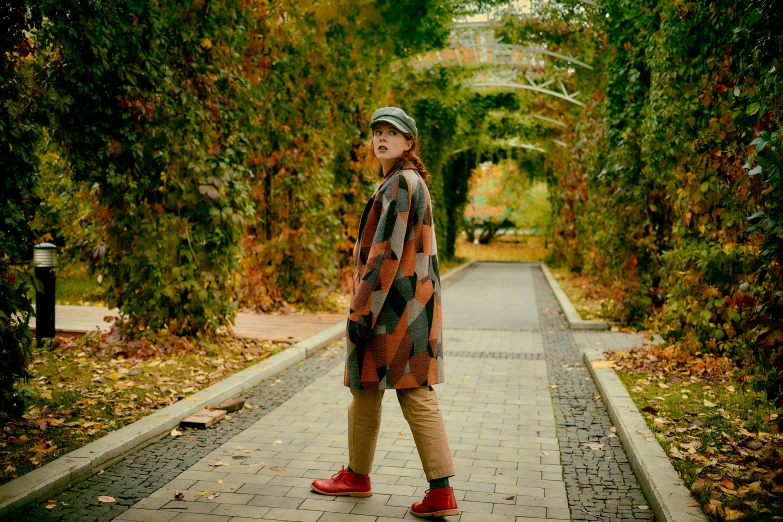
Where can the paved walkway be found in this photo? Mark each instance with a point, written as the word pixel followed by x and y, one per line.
pixel 70 319
pixel 510 429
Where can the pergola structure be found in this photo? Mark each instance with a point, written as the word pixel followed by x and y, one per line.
pixel 474 44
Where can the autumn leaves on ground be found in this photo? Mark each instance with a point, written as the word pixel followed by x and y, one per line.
pixel 82 389
pixel 721 436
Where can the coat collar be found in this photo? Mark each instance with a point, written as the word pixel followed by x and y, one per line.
pixel 396 167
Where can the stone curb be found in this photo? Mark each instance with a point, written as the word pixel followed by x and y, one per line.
pixel 456 273
pixel 50 479
pixel 575 322
pixel 56 476
pixel 660 482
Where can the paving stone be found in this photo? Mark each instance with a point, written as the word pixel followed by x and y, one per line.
pixel 580 419
pixel 483 517
pixel 374 499
pixel 264 489
pixel 518 444
pixel 193 517
pixel 273 502
pixel 251 512
pixel 378 510
pixel 536 519
pixel 326 505
pixel 342 517
pixel 146 515
pixel 227 498
pixel 293 515
pixel 135 478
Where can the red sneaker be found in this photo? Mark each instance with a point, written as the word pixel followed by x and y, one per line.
pixel 437 503
pixel 344 483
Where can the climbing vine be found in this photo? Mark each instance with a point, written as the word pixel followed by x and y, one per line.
pixel 670 189
pixel 20 131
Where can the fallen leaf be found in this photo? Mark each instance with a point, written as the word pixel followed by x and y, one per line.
pixel 255 465
pixel 218 463
pixel 277 468
pixel 213 496
pixel 693 503
pixel 51 506
pixel 106 498
pixel 603 364
pixel 595 445
pixel 698 485
pixel 727 483
pixel 44 447
pixel 732 514
pixel 753 445
pixel 647 436
pixel 175 433
pixel 201 493
pixel 650 410
pixel 709 404
pixel 219 481
pixel 544 452
pixel 510 498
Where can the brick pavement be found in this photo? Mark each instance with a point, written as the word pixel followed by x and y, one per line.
pixel 599 482
pixel 501 419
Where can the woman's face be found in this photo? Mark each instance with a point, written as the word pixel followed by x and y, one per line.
pixel 389 143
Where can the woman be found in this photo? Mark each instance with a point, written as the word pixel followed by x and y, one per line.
pixel 394 325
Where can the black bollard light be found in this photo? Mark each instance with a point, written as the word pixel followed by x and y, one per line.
pixel 45 258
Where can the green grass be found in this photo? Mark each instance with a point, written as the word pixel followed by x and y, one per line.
pixel 447 266
pixel 75 286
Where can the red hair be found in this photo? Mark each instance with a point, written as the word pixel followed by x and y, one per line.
pixel 411 155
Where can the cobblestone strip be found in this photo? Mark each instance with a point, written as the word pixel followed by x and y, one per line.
pixel 600 483
pixel 138 476
pixel 499 355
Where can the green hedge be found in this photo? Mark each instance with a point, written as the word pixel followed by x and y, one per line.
pixel 20 131
pixel 148 102
pixel 680 143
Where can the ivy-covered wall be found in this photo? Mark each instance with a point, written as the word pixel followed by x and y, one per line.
pixel 671 189
pixel 20 132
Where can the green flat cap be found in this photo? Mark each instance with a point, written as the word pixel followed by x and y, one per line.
pixel 395 117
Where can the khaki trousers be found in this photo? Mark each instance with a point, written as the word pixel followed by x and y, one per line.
pixel 420 408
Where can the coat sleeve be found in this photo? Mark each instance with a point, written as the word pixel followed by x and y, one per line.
pixel 385 253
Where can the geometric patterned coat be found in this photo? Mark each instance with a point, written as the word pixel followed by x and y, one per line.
pixel 395 331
